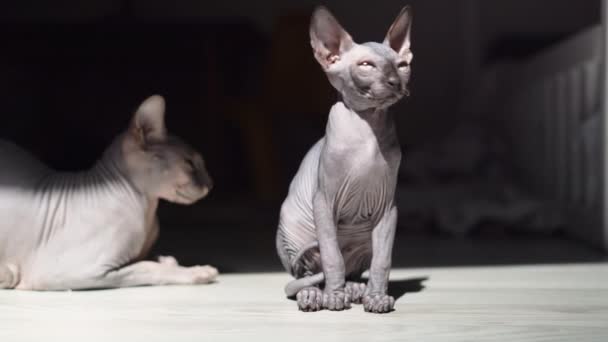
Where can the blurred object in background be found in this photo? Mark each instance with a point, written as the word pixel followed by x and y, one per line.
pixel 464 182
pixel 502 132
pixel 287 112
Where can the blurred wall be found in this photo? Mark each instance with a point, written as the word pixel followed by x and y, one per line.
pixel 213 59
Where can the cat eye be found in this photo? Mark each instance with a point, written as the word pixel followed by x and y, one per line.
pixel 190 163
pixel 403 64
pixel 367 64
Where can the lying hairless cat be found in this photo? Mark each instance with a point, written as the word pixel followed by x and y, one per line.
pixel 92 229
pixel 339 217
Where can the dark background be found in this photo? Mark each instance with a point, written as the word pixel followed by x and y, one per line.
pixel 242 87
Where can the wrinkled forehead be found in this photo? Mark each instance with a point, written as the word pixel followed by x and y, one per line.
pixel 380 49
pixel 175 145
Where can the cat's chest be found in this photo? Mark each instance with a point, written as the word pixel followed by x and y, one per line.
pixel 359 173
pixel 364 193
pixel 355 152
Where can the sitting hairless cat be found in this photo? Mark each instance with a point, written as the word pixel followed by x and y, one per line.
pixel 339 217
pixel 92 229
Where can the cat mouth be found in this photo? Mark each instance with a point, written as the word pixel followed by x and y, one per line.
pixel 366 92
pixel 390 96
pixel 184 196
pixel 192 197
pixel 395 95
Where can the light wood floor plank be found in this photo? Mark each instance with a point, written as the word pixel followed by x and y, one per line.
pixel 503 303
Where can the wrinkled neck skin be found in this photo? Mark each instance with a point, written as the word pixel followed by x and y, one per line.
pixel 113 161
pixel 379 119
pixel 107 181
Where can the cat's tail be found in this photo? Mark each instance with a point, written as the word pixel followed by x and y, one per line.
pixel 293 287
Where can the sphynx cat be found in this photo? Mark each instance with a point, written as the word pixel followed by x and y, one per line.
pixel 339 217
pixel 92 229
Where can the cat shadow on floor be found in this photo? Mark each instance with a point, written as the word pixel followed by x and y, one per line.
pixel 399 287
pixel 396 287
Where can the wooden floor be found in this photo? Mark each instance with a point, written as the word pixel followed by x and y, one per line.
pixel 566 302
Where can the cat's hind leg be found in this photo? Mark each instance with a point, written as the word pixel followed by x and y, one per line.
pixel 9 276
pixel 310 299
pixel 296 285
pixel 355 291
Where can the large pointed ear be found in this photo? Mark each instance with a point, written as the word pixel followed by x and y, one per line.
pixel 148 123
pixel 398 36
pixel 327 37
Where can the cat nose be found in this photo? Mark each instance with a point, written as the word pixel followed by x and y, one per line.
pixel 209 183
pixel 203 180
pixel 394 82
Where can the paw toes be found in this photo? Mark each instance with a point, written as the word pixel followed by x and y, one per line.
pixel 329 302
pixel 309 299
pixel 318 300
pixel 336 301
pixel 167 260
pixel 378 303
pixel 204 274
pixel 356 291
pixel 212 271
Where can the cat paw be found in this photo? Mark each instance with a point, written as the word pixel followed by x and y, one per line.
pixel 203 274
pixel 336 300
pixel 9 276
pixel 310 299
pixel 168 260
pixel 355 291
pixel 378 303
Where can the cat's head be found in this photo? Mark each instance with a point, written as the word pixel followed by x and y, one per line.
pixel 159 164
pixel 369 75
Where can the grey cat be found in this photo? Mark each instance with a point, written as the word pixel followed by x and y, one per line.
pixel 339 217
pixel 92 229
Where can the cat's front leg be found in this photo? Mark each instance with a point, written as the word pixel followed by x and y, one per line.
pixel 334 297
pixel 376 298
pixel 164 272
